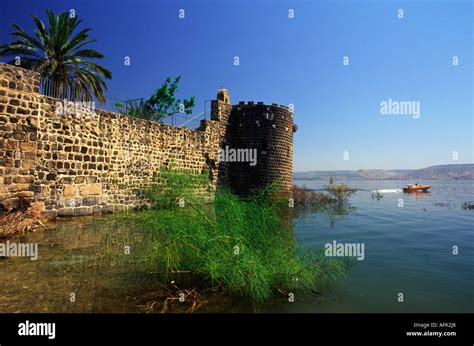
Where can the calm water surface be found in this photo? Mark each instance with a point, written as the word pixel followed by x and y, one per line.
pixel 407 249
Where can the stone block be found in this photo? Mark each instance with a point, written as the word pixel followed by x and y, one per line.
pixel 12 144
pixel 82 211
pixel 108 209
pixel 23 179
pixel 66 212
pixel 96 209
pixel 69 190
pixel 28 164
pixel 90 201
pixel 28 146
pixel 90 189
pixel 19 187
pixel 25 194
pixel 50 214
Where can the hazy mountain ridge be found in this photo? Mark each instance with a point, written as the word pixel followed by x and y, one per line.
pixel 446 172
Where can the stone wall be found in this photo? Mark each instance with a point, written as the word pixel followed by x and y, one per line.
pixel 19 112
pixel 84 163
pixel 93 162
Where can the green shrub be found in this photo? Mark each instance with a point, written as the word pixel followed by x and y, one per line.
pixel 340 192
pixel 304 197
pixel 240 244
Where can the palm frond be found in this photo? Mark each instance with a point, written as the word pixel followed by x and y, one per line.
pixel 57 53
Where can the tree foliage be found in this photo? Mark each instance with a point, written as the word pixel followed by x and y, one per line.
pixel 60 55
pixel 162 103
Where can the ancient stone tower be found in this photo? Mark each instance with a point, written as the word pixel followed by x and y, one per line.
pixel 258 131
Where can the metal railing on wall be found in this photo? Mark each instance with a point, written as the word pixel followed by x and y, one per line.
pixel 189 121
pixel 65 91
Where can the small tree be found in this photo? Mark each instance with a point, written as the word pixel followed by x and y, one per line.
pixel 164 103
pixel 161 104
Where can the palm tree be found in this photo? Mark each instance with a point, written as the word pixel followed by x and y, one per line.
pixel 60 57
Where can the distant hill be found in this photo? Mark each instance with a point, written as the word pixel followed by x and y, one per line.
pixel 440 172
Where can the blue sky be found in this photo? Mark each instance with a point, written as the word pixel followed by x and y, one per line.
pixel 299 61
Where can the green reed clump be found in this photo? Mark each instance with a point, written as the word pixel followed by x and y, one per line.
pixel 240 244
pixel 310 199
pixel 377 195
pixel 333 202
pixel 340 192
pixel 173 185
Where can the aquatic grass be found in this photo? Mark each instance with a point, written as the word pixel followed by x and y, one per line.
pixel 377 195
pixel 241 244
pixel 172 185
pixel 341 192
pixel 331 203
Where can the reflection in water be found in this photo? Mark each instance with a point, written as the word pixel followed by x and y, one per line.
pixel 78 259
pixel 103 265
pixel 330 211
pixel 418 194
pixel 407 248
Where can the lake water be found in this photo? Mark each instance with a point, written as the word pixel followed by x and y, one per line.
pixel 408 250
